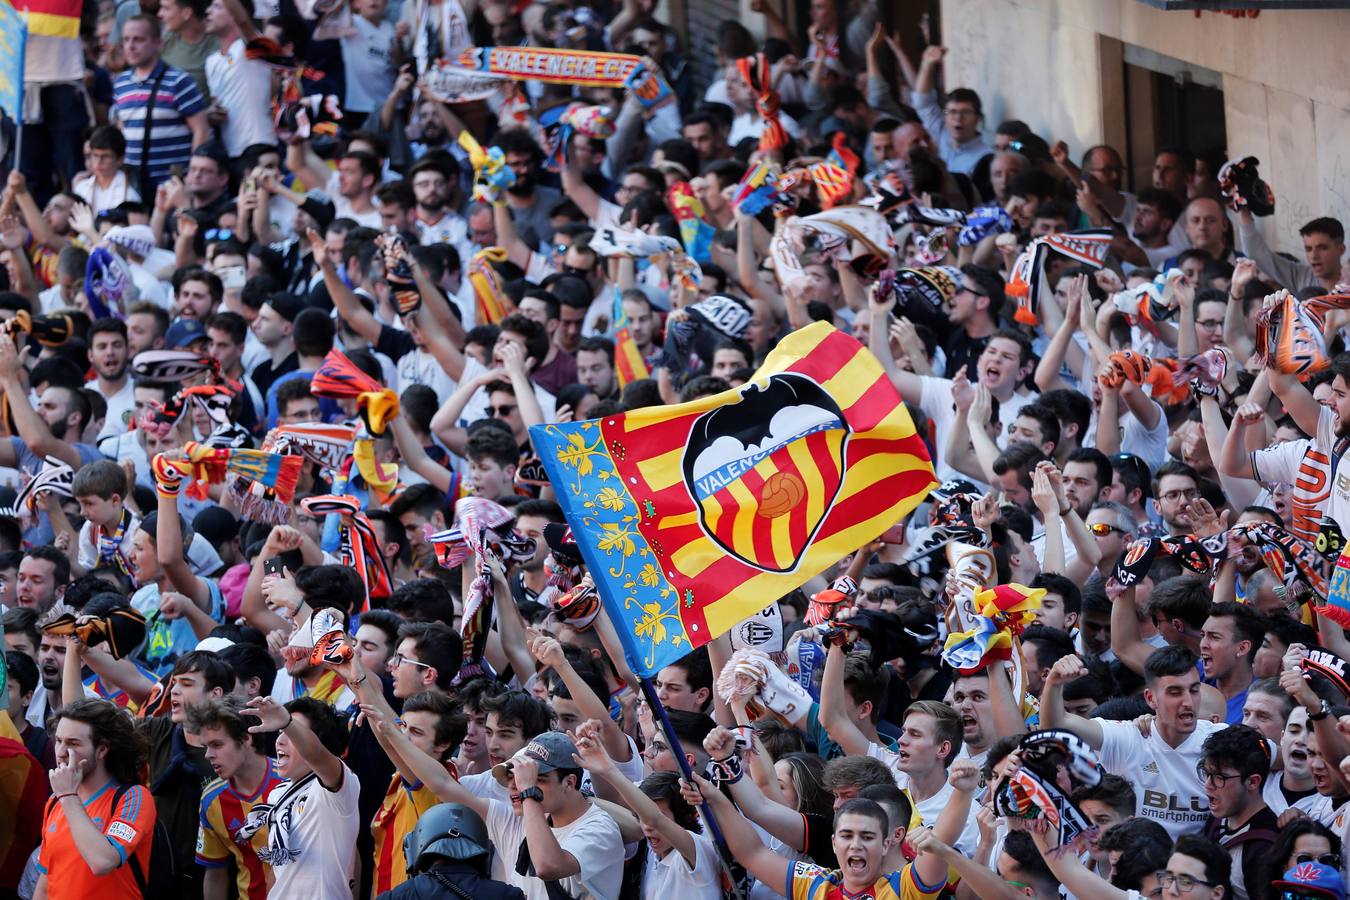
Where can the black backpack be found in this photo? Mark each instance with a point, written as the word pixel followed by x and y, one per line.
pixel 161 880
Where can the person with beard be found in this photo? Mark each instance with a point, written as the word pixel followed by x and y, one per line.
pixel 108 353
pixel 52 429
pixel 531 517
pixel 528 200
pixel 96 836
pixel 435 184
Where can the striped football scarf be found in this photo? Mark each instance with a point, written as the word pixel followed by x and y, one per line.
pixel 488 291
pixel 359 546
pixel 173 365
pixel 338 377
pixel 328 446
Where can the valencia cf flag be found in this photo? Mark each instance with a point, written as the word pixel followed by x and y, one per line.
pixel 691 517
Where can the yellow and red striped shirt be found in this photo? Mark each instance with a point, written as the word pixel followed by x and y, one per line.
pixel 227 830
pixel 403 804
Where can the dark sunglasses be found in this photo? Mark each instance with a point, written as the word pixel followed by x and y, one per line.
pixel 501 412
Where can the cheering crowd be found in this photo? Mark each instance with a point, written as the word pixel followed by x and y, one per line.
pixel 290 604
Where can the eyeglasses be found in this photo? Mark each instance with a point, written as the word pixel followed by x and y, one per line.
pixel 1101 529
pixel 1174 496
pixel 958 113
pixel 1219 779
pixel 218 234
pixel 965 289
pixel 574 270
pixel 1210 324
pixel 399 659
pixel 1184 883
pixel 1326 859
pixel 501 412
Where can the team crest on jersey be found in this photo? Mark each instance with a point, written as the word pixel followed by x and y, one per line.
pixel 764 471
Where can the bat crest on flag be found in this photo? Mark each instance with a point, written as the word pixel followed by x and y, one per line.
pixel 779 444
pixel 691 517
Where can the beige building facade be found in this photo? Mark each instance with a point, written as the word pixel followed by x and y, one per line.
pixel 1088 72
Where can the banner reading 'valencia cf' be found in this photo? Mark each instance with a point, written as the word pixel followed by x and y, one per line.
pixel 693 517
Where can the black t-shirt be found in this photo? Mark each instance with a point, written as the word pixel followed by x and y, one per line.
pixel 178 771
pixel 963 350
pixel 394 343
pixel 820 840
pixel 265 373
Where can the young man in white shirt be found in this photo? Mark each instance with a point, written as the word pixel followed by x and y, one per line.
pixel 313 821
pixel 241 88
pixel 1161 765
pixel 548 830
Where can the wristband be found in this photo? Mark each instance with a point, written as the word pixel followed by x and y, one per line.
pixel 725 771
pixel 60 797
pixel 360 681
pixel 289 719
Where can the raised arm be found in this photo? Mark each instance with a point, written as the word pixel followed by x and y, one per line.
pixel 411 451
pixel 305 164
pixel 1053 713
pixel 1126 642
pixel 1298 400
pixel 834 706
pixel 172 556
pixel 784 823
pixel 592 756
pixel 272 716
pixel 964 778
pixel 745 845
pixel 613 741
pixel 30 426
pixel 1241 493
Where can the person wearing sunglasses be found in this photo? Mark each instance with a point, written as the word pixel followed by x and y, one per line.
pixel 1234 767
pixel 1304 841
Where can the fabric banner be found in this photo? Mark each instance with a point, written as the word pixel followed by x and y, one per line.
pixel 691 517
pixel 583 68
pixel 13 38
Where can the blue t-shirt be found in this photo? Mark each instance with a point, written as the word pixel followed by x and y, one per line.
pixel 827 749
pixel 166 640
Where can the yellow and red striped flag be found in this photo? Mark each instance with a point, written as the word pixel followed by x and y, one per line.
pixel 693 517
pixel 629 366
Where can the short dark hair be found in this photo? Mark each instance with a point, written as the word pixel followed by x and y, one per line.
pixel 1218 862
pixel 1021 340
pixel 290 390
pixel 425 499
pixel 863 683
pixel 214 671
pixel 313 331
pixel 666 786
pixel 1183 597
pixel 536 338
pixel 1020 457
pixel 108 137
pixel 231 323
pixel 22 668
pixel 21 620
pixel 1112 790
pixel 329 727
pixel 1249 624
pixel 451 722
pixel 60 562
pixel 250 661
pixel 423 600
pixel 1169 662
pixel 437 645
pixel 102 478
pixel 1332 228
pixel 1240 746
pixel 330 587
pixel 495 444
pixel 1168 206
pixel 533 717
pixel 1096 458
pixel 860 806
pixel 1064 587
pixel 1046 418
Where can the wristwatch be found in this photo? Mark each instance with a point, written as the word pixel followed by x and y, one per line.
pixel 532 794
pixel 1321 713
